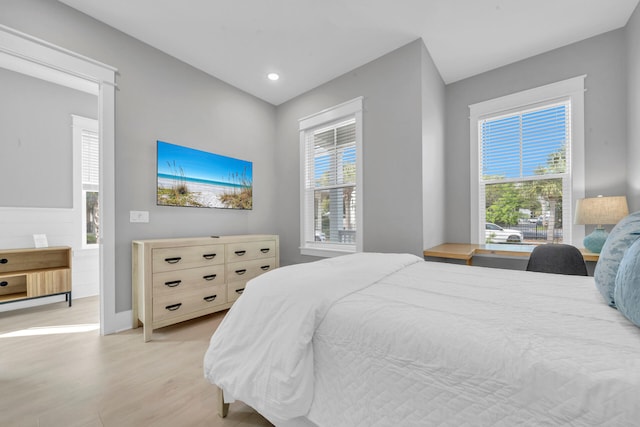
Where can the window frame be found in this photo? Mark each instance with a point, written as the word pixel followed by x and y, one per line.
pixel 571 89
pixel 338 113
pixel 80 124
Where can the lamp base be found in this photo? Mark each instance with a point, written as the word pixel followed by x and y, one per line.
pixel 595 240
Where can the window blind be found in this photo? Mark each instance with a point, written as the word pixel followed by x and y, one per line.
pixel 90 158
pixel 526 145
pixel 331 182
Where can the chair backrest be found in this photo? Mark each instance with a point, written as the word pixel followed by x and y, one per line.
pixel 557 258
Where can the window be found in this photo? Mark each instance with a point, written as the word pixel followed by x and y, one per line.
pixel 527 162
pixel 331 189
pixel 86 135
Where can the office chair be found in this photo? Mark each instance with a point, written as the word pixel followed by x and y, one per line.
pixel 557 258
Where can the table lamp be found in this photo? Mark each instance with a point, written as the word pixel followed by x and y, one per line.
pixel 600 210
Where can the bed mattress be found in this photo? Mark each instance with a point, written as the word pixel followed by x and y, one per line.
pixel 433 344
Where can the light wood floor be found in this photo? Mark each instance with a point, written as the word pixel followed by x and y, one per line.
pixel 56 376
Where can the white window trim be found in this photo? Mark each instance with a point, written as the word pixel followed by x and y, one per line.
pixel 572 88
pixel 346 109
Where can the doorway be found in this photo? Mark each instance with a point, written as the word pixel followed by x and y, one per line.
pixel 29 56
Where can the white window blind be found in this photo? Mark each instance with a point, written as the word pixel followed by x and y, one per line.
pixel 526 145
pixel 90 159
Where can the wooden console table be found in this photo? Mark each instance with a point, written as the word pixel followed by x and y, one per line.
pixel 466 251
pixel 35 273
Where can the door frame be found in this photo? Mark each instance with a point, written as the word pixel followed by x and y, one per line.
pixel 29 55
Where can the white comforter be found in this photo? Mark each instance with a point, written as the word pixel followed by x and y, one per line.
pixel 436 345
pixel 262 351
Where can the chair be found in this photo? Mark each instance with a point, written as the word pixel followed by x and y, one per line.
pixel 557 258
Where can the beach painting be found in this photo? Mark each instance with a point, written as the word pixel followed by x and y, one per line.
pixel 195 178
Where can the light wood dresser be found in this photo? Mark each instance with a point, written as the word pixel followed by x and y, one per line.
pixel 35 273
pixel 179 279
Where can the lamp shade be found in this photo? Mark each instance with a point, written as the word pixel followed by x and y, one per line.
pixel 601 210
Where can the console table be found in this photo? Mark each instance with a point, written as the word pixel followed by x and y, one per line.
pixel 35 273
pixel 466 251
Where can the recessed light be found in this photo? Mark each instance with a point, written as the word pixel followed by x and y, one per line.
pixel 273 76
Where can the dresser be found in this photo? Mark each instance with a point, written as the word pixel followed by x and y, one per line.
pixel 35 273
pixel 180 279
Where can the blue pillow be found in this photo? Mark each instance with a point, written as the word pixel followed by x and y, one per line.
pixel 621 237
pixel 627 290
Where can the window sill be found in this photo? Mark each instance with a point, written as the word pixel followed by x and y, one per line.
pixel 326 252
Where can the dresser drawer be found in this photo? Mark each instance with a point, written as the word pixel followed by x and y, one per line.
pixel 16 284
pixel 167 306
pixel 235 289
pixel 169 259
pixel 246 251
pixel 185 280
pixel 249 269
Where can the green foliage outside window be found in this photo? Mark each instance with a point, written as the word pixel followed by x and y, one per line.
pixel 504 202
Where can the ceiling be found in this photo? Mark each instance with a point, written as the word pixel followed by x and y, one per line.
pixel 310 42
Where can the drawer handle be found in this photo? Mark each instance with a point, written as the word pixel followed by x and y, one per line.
pixel 173 260
pixel 173 307
pixel 239 291
pixel 241 272
pixel 209 277
pixel 209 256
pixel 265 267
pixel 4 283
pixel 210 298
pixel 173 283
pixel 240 253
pixel 4 261
pixel 265 250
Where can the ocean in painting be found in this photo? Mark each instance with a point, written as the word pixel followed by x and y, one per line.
pixel 173 178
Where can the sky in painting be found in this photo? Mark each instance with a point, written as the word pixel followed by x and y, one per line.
pixel 200 164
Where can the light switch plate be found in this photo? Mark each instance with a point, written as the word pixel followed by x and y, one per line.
pixel 138 216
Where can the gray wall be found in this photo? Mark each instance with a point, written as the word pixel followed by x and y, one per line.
pixel 392 129
pixel 433 145
pixel 633 121
pixel 159 97
pixel 36 140
pixel 603 60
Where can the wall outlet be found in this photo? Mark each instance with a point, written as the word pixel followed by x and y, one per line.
pixel 138 216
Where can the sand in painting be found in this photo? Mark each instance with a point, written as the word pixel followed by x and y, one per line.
pixel 206 194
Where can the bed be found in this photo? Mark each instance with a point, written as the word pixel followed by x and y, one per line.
pixel 392 340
